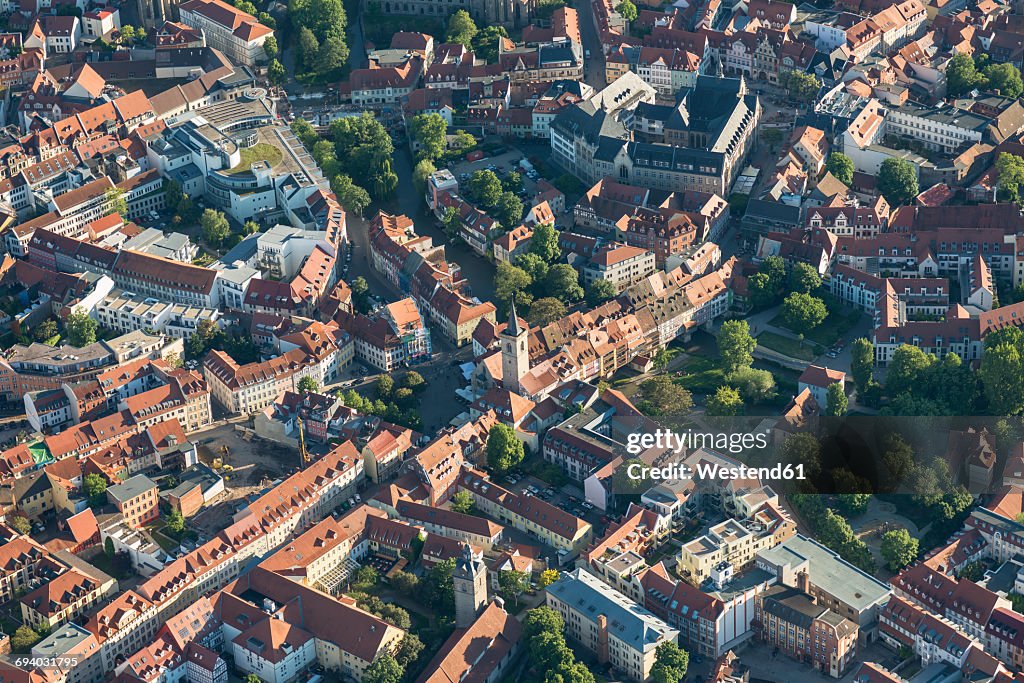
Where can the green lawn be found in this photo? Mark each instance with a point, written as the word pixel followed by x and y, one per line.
pixel 790 347
pixel 261 151
pixel 701 375
pixel 835 326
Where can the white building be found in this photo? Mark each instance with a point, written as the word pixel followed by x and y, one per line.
pixel 608 623
pixel 234 32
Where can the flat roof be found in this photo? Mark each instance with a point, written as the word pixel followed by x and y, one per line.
pixel 131 488
pixel 829 572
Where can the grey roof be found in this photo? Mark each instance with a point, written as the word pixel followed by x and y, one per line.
pixel 828 571
pixel 66 639
pixel 629 622
pixel 131 488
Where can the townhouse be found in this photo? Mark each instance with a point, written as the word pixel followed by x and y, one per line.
pixel 561 530
pixel 236 33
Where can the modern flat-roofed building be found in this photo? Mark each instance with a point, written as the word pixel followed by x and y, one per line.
pixel 834 582
pixel 615 628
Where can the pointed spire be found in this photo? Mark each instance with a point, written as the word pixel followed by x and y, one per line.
pixel 513 319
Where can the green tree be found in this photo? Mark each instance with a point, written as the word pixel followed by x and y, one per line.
pixel 462 502
pixel 803 312
pixel 899 549
pixel 79 328
pixel 485 187
pixel 1005 78
pixel 962 75
pixel 504 449
pixel 270 49
pixel 276 73
pixel 544 242
pixel 385 386
pixel 907 367
pixel 511 281
pixel 174 522
pixel 546 310
pixel 308 384
pixel 600 291
pixel 429 131
pixel 1010 174
pixel 837 402
pixel 95 487
pixel 801 86
pixel 333 53
pixel 215 227
pixel 762 292
pixel 854 504
pixel 898 459
pixel 409 651
pixel 421 174
pixel 564 282
pixel 207 335
pixel 542 620
pixel 1002 376
pixel 385 182
pixel 385 669
pixel 508 210
pixel 736 345
pixel 309 49
pixel 660 396
pixel 863 363
pixel 45 330
pixel 841 167
pixel 172 193
pixel 305 132
pixel 413 380
pixel 115 201
pixel 463 140
pixel 352 197
pixel 803 278
pixel 438 588
pixel 725 402
pixel 804 449
pixel 897 181
pixel 535 266
pixel 670 663
pixel 21 524
pixel 250 228
pixel 754 385
pixel 512 182
pixel 23 639
pixel 451 222
pixel 108 547
pixel 404 582
pixel 461 28
pixel 512 583
pixel 485 42
pixel 627 10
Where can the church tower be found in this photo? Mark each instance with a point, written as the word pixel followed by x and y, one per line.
pixel 470 582
pixel 515 354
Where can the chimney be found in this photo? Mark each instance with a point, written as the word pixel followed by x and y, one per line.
pixel 602 639
pixel 803 582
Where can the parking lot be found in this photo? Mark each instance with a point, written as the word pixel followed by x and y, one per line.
pixel 568 497
pixel 501 164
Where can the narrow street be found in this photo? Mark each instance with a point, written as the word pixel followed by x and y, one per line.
pixel 593 66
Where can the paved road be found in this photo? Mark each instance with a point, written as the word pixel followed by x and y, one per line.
pixel 593 68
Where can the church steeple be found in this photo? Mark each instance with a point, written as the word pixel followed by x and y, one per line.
pixel 515 356
pixel 513 319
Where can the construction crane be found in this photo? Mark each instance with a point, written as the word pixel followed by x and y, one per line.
pixel 302 441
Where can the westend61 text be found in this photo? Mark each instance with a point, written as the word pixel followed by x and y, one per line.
pixel 707 471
